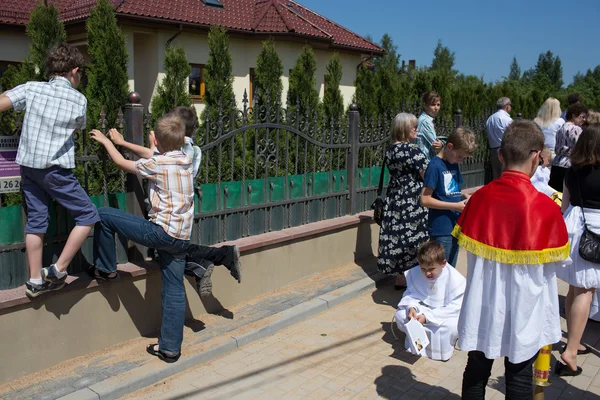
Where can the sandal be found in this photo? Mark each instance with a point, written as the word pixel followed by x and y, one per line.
pixel 95 273
pixel 161 354
pixel 563 370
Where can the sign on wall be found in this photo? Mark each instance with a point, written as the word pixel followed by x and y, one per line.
pixel 10 174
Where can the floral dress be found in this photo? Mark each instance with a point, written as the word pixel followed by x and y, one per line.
pixel 404 223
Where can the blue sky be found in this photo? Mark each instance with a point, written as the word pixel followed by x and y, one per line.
pixel 485 35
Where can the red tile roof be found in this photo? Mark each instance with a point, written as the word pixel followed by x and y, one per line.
pixel 253 16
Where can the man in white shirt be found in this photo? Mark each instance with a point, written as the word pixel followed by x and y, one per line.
pixel 496 125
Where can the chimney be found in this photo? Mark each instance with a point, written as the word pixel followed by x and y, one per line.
pixel 412 64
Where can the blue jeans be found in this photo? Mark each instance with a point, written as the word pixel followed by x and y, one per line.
pixel 450 245
pixel 171 253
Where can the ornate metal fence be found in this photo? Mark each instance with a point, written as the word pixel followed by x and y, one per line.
pixel 264 168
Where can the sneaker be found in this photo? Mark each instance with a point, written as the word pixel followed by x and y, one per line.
pixel 235 268
pixel 33 290
pixel 204 284
pixel 49 275
pixel 95 273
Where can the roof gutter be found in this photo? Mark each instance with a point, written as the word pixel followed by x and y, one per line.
pixel 174 36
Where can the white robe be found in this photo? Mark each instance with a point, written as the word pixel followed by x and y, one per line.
pixel 439 301
pixel 540 180
pixel 509 310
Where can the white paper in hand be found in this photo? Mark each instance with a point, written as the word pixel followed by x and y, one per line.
pixel 417 337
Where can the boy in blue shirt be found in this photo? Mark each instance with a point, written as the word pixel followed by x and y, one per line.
pixel 441 190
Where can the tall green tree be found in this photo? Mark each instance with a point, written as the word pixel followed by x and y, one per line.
pixel 303 84
pixel 387 71
pixel 515 71
pixel 367 90
pixel 172 91
pixel 551 67
pixel 269 69
pixel 107 73
pixel 45 30
pixel 443 58
pixel 333 102
pixel 218 70
pixel 107 87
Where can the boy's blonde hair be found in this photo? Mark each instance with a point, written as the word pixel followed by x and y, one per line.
pixel 431 253
pixel 463 139
pixel 402 125
pixel 546 152
pixel 593 117
pixel 170 132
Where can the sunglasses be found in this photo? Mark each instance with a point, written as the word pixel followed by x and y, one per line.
pixel 540 159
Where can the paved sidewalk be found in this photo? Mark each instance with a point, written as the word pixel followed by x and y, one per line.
pixel 348 352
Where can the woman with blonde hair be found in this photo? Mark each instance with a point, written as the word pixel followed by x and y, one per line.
pixel 404 222
pixel 549 120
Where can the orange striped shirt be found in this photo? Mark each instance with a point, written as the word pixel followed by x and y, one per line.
pixel 170 191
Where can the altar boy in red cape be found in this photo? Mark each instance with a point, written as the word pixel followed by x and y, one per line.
pixel 515 238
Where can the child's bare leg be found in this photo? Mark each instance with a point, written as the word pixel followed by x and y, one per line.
pixel 74 242
pixel 580 310
pixel 34 246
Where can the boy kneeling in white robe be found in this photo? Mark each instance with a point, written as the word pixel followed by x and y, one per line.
pixel 433 297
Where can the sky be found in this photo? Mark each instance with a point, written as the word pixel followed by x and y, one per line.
pixel 484 34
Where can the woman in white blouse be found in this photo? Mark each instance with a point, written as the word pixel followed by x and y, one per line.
pixel 549 120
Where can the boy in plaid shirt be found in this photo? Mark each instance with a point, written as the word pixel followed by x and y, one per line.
pixel 171 193
pixel 53 111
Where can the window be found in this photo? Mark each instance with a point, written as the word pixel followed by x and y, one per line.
pixel 252 87
pixel 214 3
pixel 196 82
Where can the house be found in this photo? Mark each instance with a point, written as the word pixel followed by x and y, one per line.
pixel 149 25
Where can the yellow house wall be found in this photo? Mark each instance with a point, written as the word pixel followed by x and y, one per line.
pixel 14 45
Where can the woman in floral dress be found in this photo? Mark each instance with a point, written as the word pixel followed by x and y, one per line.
pixel 404 223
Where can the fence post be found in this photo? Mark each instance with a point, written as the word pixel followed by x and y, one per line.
pixel 352 159
pixel 458 119
pixel 135 197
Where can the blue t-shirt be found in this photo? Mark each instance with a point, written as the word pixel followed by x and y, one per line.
pixel 445 180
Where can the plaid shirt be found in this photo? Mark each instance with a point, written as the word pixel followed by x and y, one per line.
pixel 53 111
pixel 170 191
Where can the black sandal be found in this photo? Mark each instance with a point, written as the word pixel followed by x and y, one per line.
pixel 563 370
pixel 161 354
pixel 95 273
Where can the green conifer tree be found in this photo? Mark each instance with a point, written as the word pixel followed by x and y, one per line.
pixel 269 69
pixel 172 91
pixel 218 75
pixel 303 84
pixel 333 102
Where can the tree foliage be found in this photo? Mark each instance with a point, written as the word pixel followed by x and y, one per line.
pixel 45 30
pixel 218 75
pixel 303 83
pixel 269 69
pixel 172 91
pixel 333 102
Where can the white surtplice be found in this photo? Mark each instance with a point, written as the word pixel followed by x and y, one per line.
pixel 509 310
pixel 439 301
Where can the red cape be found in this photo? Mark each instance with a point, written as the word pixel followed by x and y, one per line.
pixel 509 221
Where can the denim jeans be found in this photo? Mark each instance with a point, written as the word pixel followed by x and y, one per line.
pixel 450 245
pixel 171 258
pixel 519 378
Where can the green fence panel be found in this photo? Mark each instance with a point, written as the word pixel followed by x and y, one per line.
pixel 209 197
pixel 234 194
pixel 278 191
pixel 339 184
pixel 257 195
pixel 296 183
pixel 12 220
pixel 322 183
pixel 363 175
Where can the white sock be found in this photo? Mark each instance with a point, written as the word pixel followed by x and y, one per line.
pixel 58 272
pixel 37 281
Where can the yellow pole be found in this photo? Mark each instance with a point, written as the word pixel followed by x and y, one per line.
pixel 541 371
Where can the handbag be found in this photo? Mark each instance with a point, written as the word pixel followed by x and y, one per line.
pixel 589 243
pixel 378 204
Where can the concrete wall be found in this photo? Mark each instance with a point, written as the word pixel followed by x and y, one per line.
pixel 75 322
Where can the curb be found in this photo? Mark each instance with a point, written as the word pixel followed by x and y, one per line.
pixel 156 371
